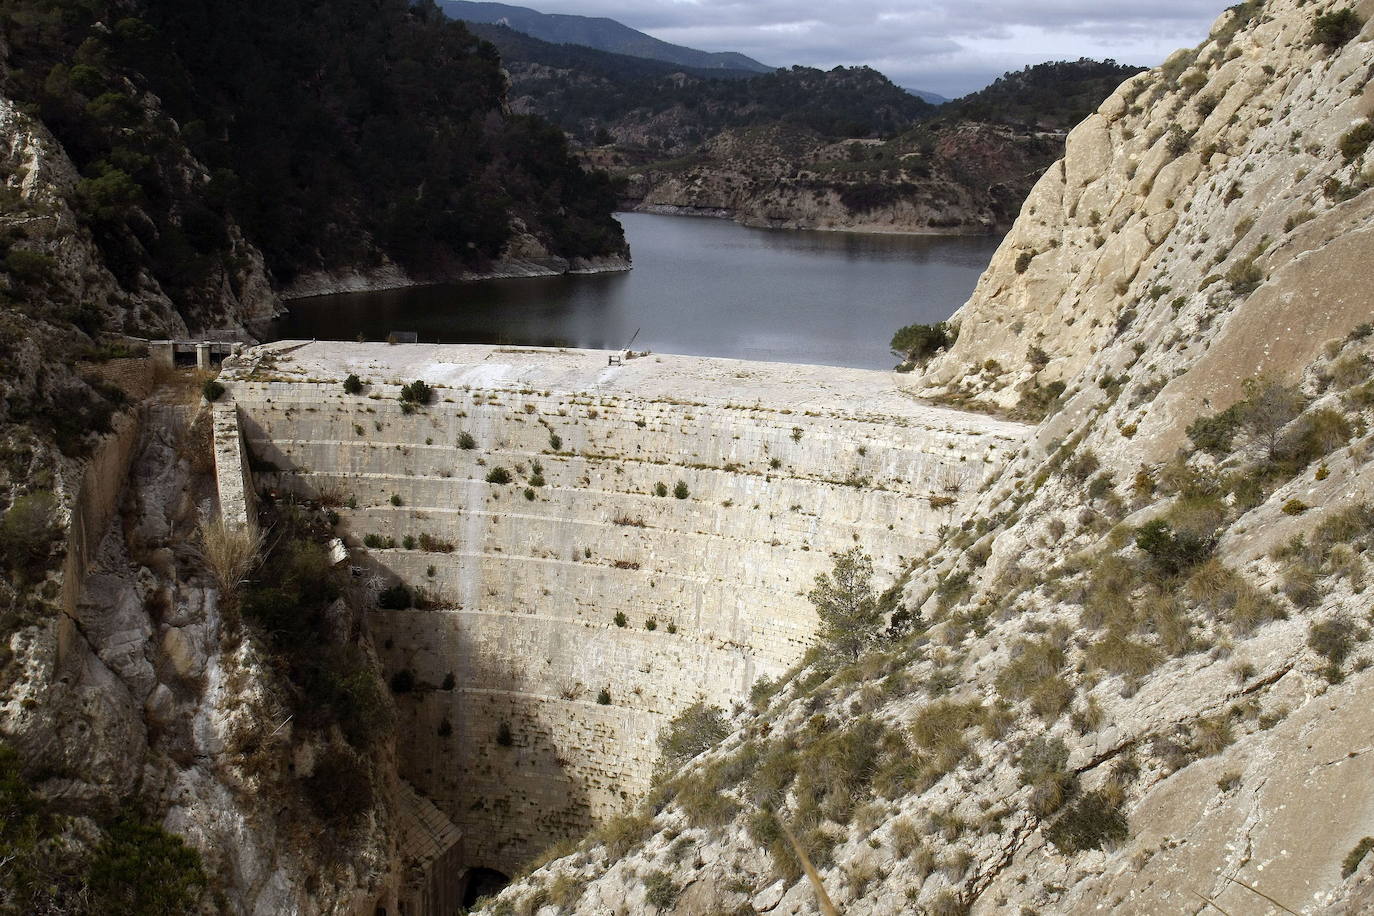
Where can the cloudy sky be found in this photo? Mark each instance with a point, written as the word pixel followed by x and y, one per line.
pixel 945 46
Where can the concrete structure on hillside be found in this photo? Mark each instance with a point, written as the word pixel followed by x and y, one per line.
pixel 597 545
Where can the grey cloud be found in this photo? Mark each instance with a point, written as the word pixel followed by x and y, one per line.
pixel 947 46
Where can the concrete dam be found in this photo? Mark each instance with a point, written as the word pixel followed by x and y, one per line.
pixel 597 546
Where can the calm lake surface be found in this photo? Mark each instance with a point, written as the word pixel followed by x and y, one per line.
pixel 700 286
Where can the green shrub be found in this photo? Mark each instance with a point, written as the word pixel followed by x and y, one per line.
pixel 691 732
pixel 846 604
pixel 340 788
pixel 1120 655
pixel 28 531
pixel 30 266
pixel 403 681
pixel 680 491
pixel 498 475
pixel 660 489
pixel 466 442
pixel 1173 552
pixel 417 393
pixel 621 620
pixel 212 390
pixel 1356 141
pixel 1336 29
pixel 142 870
pixel 1215 434
pixel 1245 275
pixel 529 493
pixel 917 343
pixel 1089 823
pixel 1178 142
pixel 1333 639
pixel 604 697
pixel 1356 856
pixel 555 442
pixel 1295 507
pixel 353 385
pixel 660 891
pixel 395 598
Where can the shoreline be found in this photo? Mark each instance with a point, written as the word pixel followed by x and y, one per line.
pixel 729 215
pixel 391 277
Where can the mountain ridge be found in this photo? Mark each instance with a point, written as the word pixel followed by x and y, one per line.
pixel 599 32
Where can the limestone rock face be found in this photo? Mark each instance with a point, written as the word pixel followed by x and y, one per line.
pixel 1224 156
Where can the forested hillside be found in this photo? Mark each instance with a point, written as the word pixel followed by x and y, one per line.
pixel 334 135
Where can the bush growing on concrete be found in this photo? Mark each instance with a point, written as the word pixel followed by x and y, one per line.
pixel 681 491
pixel 417 393
pixel 212 390
pixel 555 441
pixel 850 615
pixel 621 620
pixel 498 475
pixel 353 384
pixel 529 493
pixel 604 697
pixel 660 489
pixel 466 442
pixel 395 598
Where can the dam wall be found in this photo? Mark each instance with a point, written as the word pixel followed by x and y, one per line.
pixel 594 547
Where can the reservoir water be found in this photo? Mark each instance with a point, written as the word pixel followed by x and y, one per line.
pixel 702 287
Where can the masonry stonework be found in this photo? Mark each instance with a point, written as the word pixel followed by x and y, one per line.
pixel 644 533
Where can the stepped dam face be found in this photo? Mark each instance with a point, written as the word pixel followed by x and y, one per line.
pixel 597 546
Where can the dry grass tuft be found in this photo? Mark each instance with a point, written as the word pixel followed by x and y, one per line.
pixel 230 552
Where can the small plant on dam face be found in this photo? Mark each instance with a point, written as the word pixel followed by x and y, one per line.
pixel 353 385
pixel 498 475
pixel 417 393
pixel 466 442
pixel 681 491
pixel 604 697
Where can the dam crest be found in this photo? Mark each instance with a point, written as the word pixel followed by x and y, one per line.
pixel 594 546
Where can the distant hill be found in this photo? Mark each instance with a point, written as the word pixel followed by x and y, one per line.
pixel 924 96
pixel 1049 96
pixel 593 94
pixel 596 32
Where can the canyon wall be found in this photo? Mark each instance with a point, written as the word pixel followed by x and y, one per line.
pixel 594 547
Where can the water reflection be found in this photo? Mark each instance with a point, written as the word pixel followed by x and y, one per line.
pixel 700 286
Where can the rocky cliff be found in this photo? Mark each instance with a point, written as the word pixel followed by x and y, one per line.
pixel 1135 678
